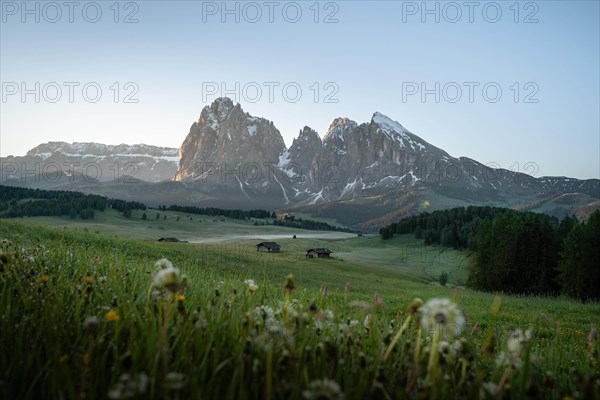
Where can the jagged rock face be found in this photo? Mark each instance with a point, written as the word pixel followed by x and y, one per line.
pixel 227 139
pixel 96 162
pixel 373 158
pixel 376 171
pixel 298 162
pixel 353 160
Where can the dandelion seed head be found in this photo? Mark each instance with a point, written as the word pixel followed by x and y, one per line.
pixel 325 389
pixel 163 263
pixel 174 380
pixel 166 278
pixel 442 317
pixel 252 286
pixel 516 339
pixel 91 324
pixel 128 387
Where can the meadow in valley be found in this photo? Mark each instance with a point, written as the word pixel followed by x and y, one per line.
pixel 98 309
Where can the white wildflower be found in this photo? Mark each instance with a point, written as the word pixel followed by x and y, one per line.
pixel 319 325
pixel 516 340
pixel 175 380
pixel 323 389
pixel 163 263
pixel 443 317
pixel 128 387
pixel 267 312
pixel 252 286
pixel 166 278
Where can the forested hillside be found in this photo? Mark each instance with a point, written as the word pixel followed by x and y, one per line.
pixel 21 202
pixel 516 252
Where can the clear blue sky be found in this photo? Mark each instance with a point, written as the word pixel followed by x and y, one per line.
pixel 372 55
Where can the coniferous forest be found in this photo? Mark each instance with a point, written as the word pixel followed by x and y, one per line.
pixel 21 202
pixel 516 252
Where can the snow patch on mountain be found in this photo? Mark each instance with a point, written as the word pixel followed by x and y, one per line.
pixel 395 131
pixel 284 164
pixel 387 123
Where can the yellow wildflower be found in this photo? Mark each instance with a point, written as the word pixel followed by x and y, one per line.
pixel 112 315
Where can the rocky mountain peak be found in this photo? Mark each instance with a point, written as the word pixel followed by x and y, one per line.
pixel 352 161
pixel 222 107
pixel 220 110
pixel 387 124
pixel 339 127
pixel 308 134
pixel 374 171
pixel 226 134
pixel 307 142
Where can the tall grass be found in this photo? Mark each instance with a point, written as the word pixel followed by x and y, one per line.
pixel 80 317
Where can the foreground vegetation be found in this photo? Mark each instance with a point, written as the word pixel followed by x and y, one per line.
pixel 85 315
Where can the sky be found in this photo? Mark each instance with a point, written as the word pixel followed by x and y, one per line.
pixel 510 84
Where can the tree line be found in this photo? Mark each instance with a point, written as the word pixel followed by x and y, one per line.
pixel 451 228
pixel 288 220
pixel 18 202
pixel 517 252
pixel 212 211
pixel 291 221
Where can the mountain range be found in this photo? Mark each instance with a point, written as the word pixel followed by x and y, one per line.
pixel 364 175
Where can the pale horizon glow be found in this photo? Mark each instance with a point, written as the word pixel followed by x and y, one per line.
pixel 371 56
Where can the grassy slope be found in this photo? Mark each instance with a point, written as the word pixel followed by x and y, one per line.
pixel 369 265
pixel 398 269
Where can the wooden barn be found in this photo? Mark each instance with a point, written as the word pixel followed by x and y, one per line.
pixel 171 240
pixel 269 247
pixel 168 239
pixel 320 252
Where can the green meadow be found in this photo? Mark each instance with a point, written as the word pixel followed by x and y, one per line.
pixel 86 313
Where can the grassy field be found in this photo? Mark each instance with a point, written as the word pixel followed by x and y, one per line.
pixel 403 256
pixel 341 328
